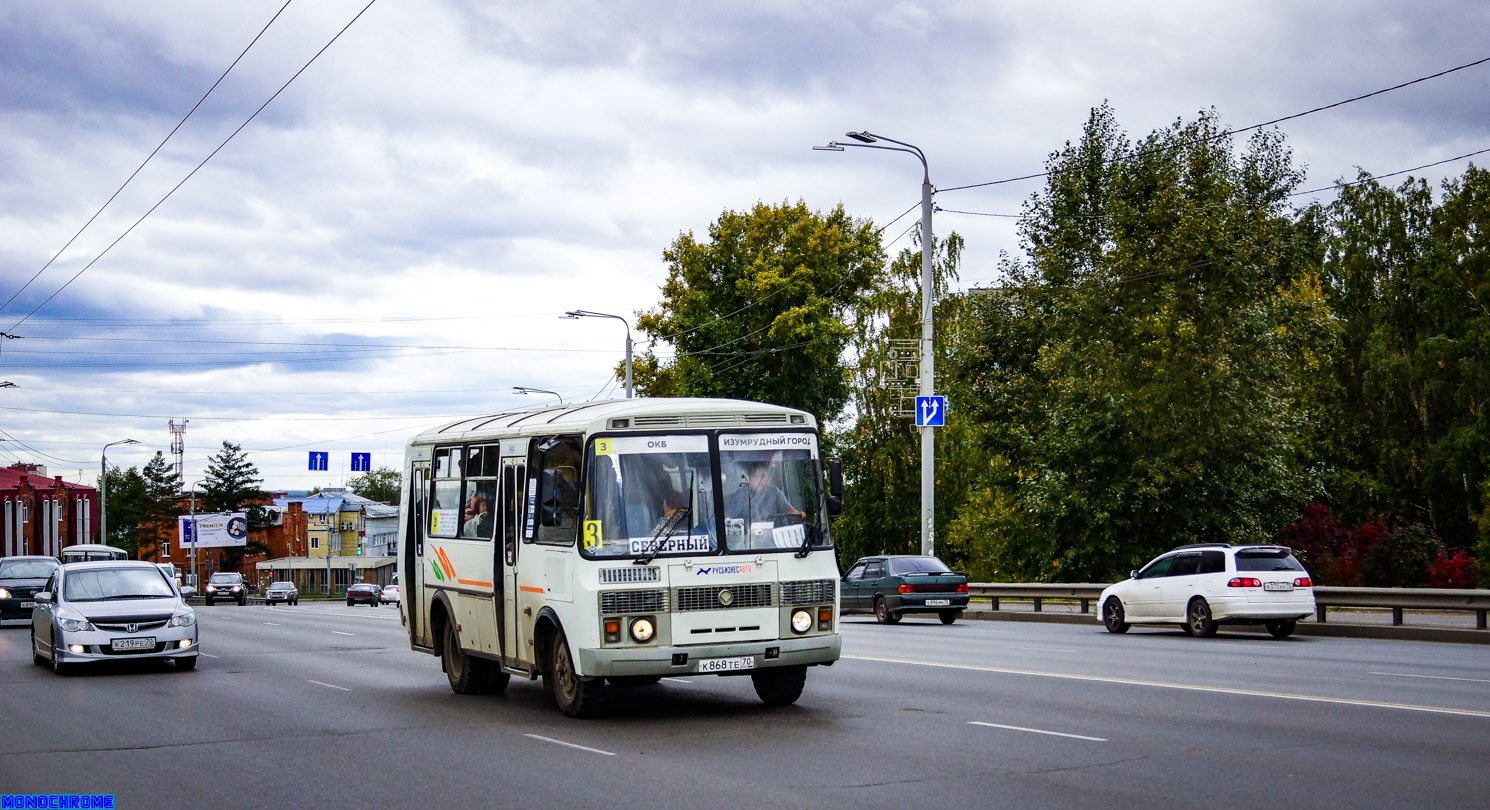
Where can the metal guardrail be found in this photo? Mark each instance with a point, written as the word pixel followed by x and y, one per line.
pixel 1325 597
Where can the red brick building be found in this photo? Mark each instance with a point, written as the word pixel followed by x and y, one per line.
pixel 41 515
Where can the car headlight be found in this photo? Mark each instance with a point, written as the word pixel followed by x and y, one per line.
pixel 74 625
pixel 642 630
pixel 184 620
pixel 211 589
pixel 237 588
pixel 4 594
pixel 801 621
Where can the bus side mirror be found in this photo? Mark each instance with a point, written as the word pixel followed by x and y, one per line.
pixel 835 487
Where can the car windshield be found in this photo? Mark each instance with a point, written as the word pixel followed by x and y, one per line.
pixel 650 493
pixel 1278 560
pixel 772 500
pixel 901 566
pixel 116 583
pixel 225 579
pixel 26 569
pixel 281 586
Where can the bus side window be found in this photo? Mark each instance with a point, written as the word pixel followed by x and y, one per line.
pixel 558 493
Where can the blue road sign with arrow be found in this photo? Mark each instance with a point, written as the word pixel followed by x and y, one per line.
pixel 931 411
pixel 361 462
pixel 319 460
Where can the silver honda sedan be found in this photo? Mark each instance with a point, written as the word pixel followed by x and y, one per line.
pixel 111 611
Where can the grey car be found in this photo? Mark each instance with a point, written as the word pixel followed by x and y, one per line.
pixel 111 611
pixel 282 592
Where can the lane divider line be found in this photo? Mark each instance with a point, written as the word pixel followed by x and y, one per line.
pixel 1037 731
pixel 1221 690
pixel 331 685
pixel 272 624
pixel 340 633
pixel 209 655
pixel 569 744
pixel 1430 677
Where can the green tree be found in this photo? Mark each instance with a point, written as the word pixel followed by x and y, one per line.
pixel 161 486
pixel 232 485
pixel 380 485
pixel 1142 372
pixel 758 310
pixel 124 491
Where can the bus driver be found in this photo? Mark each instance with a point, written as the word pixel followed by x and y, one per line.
pixel 756 498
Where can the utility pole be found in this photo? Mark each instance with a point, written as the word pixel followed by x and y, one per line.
pixel 868 140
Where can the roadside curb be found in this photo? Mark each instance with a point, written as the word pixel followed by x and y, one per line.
pixel 1368 631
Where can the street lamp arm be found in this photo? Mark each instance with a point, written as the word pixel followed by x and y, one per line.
pixel 925 169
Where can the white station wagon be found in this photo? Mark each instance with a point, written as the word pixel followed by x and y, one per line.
pixel 1202 586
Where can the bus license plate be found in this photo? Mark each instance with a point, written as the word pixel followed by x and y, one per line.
pixel 121 644
pixel 725 664
pixel 1277 586
pixel 938 602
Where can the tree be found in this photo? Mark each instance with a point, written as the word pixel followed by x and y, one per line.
pixel 380 485
pixel 161 486
pixel 1145 372
pixel 232 485
pixel 124 493
pixel 757 311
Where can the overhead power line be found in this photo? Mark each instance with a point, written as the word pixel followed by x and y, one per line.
pixel 1230 132
pixel 190 174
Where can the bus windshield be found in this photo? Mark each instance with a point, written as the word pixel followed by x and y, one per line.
pixel 650 494
pixel 772 500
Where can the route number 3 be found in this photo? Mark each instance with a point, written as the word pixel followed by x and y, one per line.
pixel 592 535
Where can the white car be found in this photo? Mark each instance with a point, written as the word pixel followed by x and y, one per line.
pixel 1202 586
pixel 390 594
pixel 111 611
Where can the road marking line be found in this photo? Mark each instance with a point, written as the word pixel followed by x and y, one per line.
pixel 272 624
pixel 1433 677
pixel 1037 731
pixel 340 633
pixel 332 685
pixel 1224 690
pixel 683 681
pixel 210 655
pixel 569 744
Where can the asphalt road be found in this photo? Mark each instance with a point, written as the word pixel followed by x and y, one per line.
pixel 325 706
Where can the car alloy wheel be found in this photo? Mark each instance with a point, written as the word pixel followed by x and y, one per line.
pixel 1113 616
pixel 1198 621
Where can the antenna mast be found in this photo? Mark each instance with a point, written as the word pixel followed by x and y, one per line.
pixel 178 446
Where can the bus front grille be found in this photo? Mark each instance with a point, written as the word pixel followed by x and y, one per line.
pixel 631 573
pixel 633 602
pixel 711 597
pixel 808 592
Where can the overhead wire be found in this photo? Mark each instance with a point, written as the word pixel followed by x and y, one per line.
pixel 1230 132
pixel 193 172
pixel 148 157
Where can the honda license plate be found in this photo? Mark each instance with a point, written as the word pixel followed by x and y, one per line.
pixel 27 605
pixel 126 644
pixel 1277 586
pixel 938 602
pixel 725 664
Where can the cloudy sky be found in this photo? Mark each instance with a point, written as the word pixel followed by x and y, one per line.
pixel 391 241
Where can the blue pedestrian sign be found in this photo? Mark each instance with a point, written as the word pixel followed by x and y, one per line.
pixel 319 460
pixel 931 411
pixel 361 462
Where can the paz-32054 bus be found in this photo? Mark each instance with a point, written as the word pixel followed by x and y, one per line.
pixel 622 541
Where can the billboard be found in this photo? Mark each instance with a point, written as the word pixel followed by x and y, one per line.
pixel 213 530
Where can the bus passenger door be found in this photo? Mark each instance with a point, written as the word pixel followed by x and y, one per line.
pixel 514 474
pixel 411 586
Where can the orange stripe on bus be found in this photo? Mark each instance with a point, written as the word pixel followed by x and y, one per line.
pixel 474 582
pixel 529 589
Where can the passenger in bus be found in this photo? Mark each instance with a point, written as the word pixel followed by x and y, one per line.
pixel 672 503
pixel 478 518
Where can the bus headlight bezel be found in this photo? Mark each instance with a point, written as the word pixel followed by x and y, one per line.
pixel 801 621
pixel 643 629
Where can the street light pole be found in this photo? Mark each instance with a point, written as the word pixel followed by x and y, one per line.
pixel 196 580
pixel 103 493
pixel 868 140
pixel 581 313
pixel 523 389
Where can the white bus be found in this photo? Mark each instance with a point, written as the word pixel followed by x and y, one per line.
pixel 622 541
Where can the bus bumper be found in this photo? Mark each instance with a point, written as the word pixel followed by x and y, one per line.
pixel 785 652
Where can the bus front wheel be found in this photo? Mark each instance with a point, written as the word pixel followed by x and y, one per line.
pixel 577 696
pixel 779 686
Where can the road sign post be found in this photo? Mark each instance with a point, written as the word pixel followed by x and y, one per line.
pixel 931 411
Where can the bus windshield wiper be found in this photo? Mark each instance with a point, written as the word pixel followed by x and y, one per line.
pixel 667 530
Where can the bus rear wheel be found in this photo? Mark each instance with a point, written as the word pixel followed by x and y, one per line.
pixel 576 695
pixel 779 686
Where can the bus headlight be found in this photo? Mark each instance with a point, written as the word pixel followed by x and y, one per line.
pixel 801 621
pixel 642 630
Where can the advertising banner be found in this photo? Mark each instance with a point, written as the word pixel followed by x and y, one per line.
pixel 213 530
